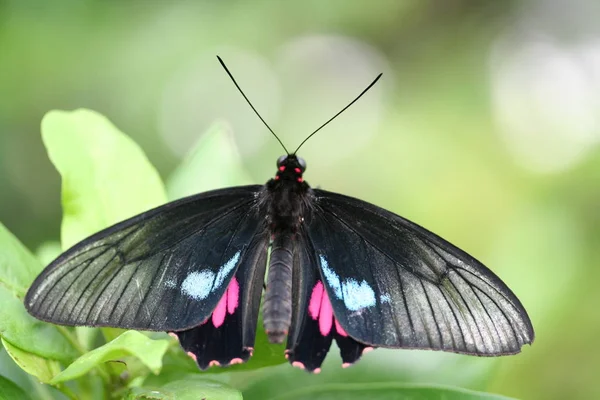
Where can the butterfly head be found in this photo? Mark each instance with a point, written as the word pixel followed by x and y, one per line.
pixel 290 167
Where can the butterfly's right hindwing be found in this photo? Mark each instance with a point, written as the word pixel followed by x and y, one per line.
pixel 165 269
pixel 314 326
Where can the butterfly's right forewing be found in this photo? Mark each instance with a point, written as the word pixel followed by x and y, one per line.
pixel 163 270
pixel 393 284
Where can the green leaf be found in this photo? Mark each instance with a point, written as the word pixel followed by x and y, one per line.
pixel 106 177
pixel 386 391
pixel 10 391
pixel 48 251
pixel 86 336
pixel 18 267
pixel 188 389
pixel 213 163
pixel 25 332
pixel 130 343
pixel 39 367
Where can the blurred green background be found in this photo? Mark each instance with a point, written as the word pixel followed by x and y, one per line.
pixel 484 128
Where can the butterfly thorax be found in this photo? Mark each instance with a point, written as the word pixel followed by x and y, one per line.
pixel 288 195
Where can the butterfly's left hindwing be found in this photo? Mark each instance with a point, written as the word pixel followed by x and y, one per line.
pixel 165 270
pixel 394 284
pixel 227 336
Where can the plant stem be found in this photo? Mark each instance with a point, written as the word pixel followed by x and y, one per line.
pixel 71 338
pixel 67 391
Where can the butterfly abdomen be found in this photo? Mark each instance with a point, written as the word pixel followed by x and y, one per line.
pixel 277 307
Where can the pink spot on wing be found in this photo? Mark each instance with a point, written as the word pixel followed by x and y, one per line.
pixel 233 295
pixel 317 371
pixel 173 335
pixel 192 355
pixel 227 304
pixel 319 308
pixel 214 363
pixel 325 315
pixel 367 349
pixel 298 364
pixel 236 361
pixel 314 306
pixel 346 365
pixel 218 315
pixel 339 329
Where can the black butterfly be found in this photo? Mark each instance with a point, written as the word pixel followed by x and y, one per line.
pixel 339 268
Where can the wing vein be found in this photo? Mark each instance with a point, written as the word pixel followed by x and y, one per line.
pixel 432 313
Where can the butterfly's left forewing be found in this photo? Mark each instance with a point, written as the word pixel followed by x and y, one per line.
pixel 394 284
pixel 165 270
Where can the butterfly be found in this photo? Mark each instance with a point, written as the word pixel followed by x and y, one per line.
pixel 338 269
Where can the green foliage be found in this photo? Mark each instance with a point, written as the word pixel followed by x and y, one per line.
pixel 18 268
pixel 106 178
pixel 149 352
pixel 215 151
pixel 10 391
pixel 386 391
pixel 43 369
pixel 191 388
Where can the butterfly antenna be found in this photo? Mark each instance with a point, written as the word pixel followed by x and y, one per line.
pixel 254 109
pixel 335 116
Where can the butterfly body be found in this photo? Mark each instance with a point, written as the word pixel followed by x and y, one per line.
pixel 288 199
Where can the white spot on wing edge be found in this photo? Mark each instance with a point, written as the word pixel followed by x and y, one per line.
pixel 226 269
pixel 199 284
pixel 357 296
pixel 332 278
pixel 354 295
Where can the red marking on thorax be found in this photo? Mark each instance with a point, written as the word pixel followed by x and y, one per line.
pixel 282 168
pixel 228 303
pixel 319 308
pixel 298 170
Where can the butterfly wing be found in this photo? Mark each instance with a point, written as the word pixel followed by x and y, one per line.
pixel 394 284
pixel 165 269
pixel 227 337
pixel 314 327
